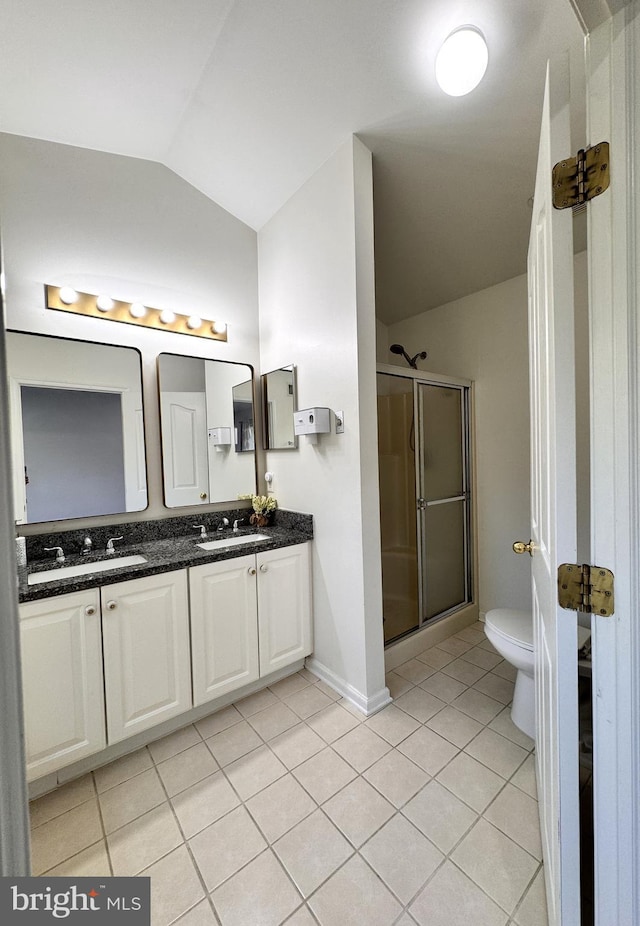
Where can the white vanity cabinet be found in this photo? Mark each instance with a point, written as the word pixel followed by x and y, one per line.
pixel 249 617
pixel 62 680
pixel 145 629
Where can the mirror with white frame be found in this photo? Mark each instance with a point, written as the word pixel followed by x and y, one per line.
pixel 279 398
pixel 207 428
pixel 77 428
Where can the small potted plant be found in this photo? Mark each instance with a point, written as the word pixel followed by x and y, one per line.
pixel 263 508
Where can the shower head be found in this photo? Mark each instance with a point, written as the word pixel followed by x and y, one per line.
pixel 399 349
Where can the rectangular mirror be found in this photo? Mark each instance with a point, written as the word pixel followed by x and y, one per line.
pixel 77 428
pixel 207 427
pixel 279 397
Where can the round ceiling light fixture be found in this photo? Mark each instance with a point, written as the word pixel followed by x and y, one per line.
pixel 462 61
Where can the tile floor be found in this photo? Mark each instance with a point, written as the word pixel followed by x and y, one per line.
pixel 291 807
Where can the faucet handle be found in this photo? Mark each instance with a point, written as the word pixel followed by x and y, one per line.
pixel 224 523
pixel 110 546
pixel 202 529
pixel 59 553
pixel 239 521
pixel 87 545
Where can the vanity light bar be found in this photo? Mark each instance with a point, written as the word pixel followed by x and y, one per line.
pixel 65 299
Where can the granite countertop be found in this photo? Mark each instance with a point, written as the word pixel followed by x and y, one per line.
pixel 163 555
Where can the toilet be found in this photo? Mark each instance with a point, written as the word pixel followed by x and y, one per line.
pixel 511 633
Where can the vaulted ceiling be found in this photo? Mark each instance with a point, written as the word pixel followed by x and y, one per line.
pixel 245 99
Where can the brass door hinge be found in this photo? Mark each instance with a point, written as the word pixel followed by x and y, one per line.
pixel 586 588
pixel 577 180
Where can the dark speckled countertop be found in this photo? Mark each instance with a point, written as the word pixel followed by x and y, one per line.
pixel 162 554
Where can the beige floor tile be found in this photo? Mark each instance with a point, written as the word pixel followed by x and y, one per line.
pixel 482 658
pixel 451 899
pixel 361 747
pixel 324 774
pixel 236 741
pixel 261 894
pixel 90 863
pixel 414 670
pixel 495 863
pixel 392 724
pixel 184 769
pixel 254 772
pixel 455 726
pixel 472 782
pixel 332 722
pixel 396 778
pixel 216 723
pixel 477 705
pixel 256 702
pixel 280 807
pixel 525 777
pixel 488 646
pixel 143 841
pixel 505 670
pixel 226 846
pixel 295 746
pixel 62 799
pixel 500 689
pixel 455 646
pixel 328 691
pixel 348 705
pixel 201 915
pixel 435 657
pixel 176 742
pixel 302 917
pixel 464 671
pixel 358 811
pixel 308 701
pixel 397 685
pixel 287 686
pixel 533 909
pixel 419 704
pixel 402 856
pixel 471 635
pixel 496 752
pixel 443 686
pixel 131 799
pixel 312 851
pixel 354 896
pixel 429 750
pixel 310 676
pixel 439 815
pixel 175 887
pixel 504 725
pixel 65 836
pixel 516 815
pixel 116 772
pixel 273 721
pixel 204 803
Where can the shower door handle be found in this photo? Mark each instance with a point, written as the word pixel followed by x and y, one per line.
pixel 422 504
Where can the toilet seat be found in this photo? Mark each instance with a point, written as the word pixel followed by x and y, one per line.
pixel 515 626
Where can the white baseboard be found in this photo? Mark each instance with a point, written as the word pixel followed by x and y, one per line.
pixel 409 648
pixel 368 705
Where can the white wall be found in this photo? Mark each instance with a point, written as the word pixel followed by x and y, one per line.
pixel 483 337
pixel 315 261
pixel 98 221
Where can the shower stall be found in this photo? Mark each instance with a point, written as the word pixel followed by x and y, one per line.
pixel 425 498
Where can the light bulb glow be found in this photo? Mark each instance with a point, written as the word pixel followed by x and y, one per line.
pixel 194 322
pixel 219 327
pixel 68 295
pixel 167 317
pixel 104 303
pixel 462 61
pixel 137 310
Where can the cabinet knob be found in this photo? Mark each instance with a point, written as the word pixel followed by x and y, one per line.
pixel 203 495
pixel 264 568
pixel 111 605
pixel 251 570
pixel 90 610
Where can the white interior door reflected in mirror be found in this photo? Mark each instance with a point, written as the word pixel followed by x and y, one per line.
pixel 279 397
pixel 77 430
pixel 202 458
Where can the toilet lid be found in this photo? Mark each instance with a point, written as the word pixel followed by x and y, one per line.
pixel 515 626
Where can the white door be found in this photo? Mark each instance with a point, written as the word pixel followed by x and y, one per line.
pixel 184 448
pixel 284 606
pixel 553 512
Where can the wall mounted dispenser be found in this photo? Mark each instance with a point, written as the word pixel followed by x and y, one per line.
pixel 220 438
pixel 311 422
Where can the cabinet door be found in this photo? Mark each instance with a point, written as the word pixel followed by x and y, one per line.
pixel 284 606
pixel 224 626
pixel 61 680
pixel 146 652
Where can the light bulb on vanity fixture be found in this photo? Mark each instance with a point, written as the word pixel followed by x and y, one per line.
pixel 194 322
pixel 105 303
pixel 137 310
pixel 167 317
pixel 68 295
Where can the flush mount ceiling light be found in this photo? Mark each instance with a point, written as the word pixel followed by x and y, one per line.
pixel 66 299
pixel 462 61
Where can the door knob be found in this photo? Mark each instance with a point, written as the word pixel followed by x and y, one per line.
pixel 520 547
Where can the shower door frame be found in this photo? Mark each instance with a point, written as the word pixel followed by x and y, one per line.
pixel 423 377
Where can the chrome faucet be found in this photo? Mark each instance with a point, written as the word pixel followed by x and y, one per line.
pixel 59 553
pixel 202 529
pixel 110 547
pixel 87 545
pixel 238 521
pixel 224 523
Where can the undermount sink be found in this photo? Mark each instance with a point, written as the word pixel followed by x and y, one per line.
pixel 232 541
pixel 83 569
